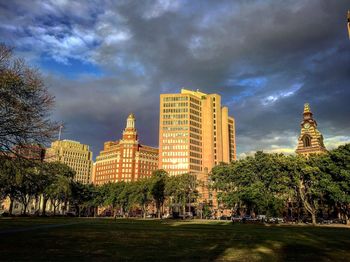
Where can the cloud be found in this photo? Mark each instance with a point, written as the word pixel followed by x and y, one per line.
pixel 265 59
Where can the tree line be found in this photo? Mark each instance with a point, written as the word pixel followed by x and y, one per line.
pixel 40 183
pixel 295 187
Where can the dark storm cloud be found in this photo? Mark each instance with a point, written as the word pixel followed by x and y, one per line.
pixel 266 58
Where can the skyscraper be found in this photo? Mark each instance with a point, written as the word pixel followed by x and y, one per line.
pixel 195 132
pixel 74 154
pixel 125 160
pixel 310 140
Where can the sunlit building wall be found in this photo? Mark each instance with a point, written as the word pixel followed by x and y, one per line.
pixel 74 154
pixel 125 160
pixel 195 132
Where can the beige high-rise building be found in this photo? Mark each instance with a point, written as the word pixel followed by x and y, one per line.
pixel 74 154
pixel 195 132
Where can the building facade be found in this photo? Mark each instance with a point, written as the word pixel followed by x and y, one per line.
pixel 310 140
pixel 195 132
pixel 74 154
pixel 125 160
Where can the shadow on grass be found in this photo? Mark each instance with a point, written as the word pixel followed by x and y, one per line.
pixel 165 240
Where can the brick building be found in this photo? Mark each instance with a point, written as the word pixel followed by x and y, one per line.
pixel 125 160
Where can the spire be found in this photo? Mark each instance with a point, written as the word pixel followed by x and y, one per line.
pixel 130 121
pixel 307 108
pixel 307 114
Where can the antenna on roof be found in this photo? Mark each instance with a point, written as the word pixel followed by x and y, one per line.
pixel 349 23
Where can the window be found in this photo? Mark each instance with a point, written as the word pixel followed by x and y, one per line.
pixel 307 141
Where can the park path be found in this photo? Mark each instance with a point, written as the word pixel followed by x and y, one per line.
pixel 26 229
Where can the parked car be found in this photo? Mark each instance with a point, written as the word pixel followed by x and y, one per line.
pixel 151 215
pixel 276 220
pixel 167 216
pixel 71 214
pixel 186 215
pixel 236 219
pixel 261 218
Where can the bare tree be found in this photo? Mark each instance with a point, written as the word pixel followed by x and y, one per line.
pixel 25 104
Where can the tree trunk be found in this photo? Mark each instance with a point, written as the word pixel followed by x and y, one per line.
pixel 313 217
pixel 53 202
pixel 115 213
pixel 306 204
pixel 144 211
pixel 11 206
pixel 25 205
pixel 43 213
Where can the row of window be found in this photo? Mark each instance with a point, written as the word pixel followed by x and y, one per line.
pixel 195 161
pixel 195 106
pixel 175 128
pixel 175 122
pixel 175 116
pixel 195 112
pixel 174 147
pixel 196 130
pixel 177 134
pixel 195 118
pixel 175 141
pixel 175 166
pixel 181 153
pixel 175 98
pixel 197 168
pixel 175 110
pixel 195 142
pixel 175 161
pixel 195 101
pixel 180 104
pixel 195 136
pixel 195 148
pixel 192 123
pixel 195 154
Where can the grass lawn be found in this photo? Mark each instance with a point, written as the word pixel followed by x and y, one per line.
pixel 73 239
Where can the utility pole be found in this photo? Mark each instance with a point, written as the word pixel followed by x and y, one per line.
pixel 349 23
pixel 59 132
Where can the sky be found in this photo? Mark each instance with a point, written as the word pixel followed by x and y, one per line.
pixel 105 59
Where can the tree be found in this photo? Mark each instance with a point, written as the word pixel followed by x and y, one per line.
pixel 26 182
pixel 182 189
pixel 25 104
pixel 335 170
pixel 158 189
pixel 141 194
pixel 59 187
pixel 8 186
pixel 258 184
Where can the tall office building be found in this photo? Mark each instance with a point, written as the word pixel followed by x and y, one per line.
pixel 74 154
pixel 195 132
pixel 125 160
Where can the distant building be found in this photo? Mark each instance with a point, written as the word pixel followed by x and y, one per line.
pixel 195 132
pixel 125 160
pixel 310 140
pixel 74 154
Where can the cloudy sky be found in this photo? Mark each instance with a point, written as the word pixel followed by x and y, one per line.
pixel 105 59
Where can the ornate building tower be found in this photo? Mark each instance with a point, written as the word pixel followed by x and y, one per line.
pixel 310 140
pixel 125 159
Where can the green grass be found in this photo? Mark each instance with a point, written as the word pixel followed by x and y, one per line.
pixel 154 240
